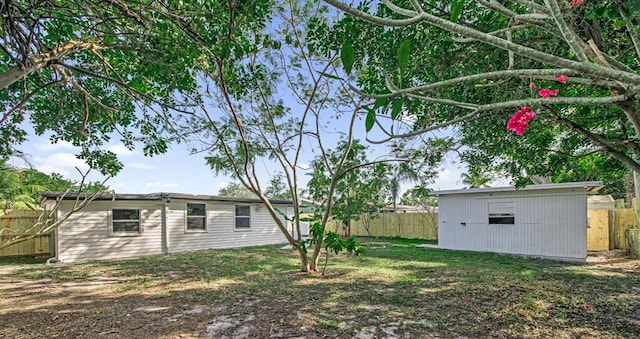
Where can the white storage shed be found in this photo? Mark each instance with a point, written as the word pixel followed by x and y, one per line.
pixel 546 221
pixel 116 226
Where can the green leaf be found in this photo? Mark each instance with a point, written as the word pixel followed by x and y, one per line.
pixel 370 121
pixel 618 24
pixel 346 55
pixel 330 76
pixel 380 102
pixel 396 108
pixel 403 55
pixel 456 10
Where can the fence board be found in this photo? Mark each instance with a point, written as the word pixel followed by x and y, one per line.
pixel 19 221
pixel 624 218
pixel 598 231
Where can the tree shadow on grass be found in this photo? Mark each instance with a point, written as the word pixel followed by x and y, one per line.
pixel 258 292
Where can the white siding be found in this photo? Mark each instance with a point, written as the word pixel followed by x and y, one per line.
pixel 86 234
pixel 548 223
pixel 221 232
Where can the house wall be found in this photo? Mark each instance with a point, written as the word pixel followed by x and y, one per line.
pixel 549 223
pixel 86 234
pixel 221 232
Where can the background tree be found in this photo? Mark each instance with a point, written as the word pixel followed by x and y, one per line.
pixel 361 187
pixel 420 158
pixel 14 192
pixel 277 188
pixel 470 65
pixel 400 173
pixel 418 196
pixel 475 178
pixel 55 182
pixel 236 190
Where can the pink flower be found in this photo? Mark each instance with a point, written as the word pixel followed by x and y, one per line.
pixel 575 3
pixel 545 93
pixel 532 84
pixel 520 121
pixel 562 78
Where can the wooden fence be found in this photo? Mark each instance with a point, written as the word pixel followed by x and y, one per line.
pixel 607 228
pixel 403 225
pixel 18 221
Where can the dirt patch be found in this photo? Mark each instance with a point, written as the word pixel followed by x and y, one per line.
pixel 613 259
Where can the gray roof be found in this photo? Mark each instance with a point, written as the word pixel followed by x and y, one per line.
pixel 591 186
pixel 160 196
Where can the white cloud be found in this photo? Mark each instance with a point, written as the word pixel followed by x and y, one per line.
pixel 62 163
pixel 448 178
pixel 160 184
pixel 116 186
pixel 223 184
pixel 140 165
pixel 121 150
pixel 60 145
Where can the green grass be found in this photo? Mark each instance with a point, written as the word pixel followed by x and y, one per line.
pixel 416 290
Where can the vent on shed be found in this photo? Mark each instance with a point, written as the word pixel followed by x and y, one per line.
pixel 502 213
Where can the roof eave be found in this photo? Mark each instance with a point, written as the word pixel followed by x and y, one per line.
pixel 160 196
pixel 590 186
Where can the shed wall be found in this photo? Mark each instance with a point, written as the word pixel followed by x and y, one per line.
pixel 221 232
pixel 86 234
pixel 549 223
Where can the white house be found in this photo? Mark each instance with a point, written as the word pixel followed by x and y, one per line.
pixel 133 225
pixel 547 221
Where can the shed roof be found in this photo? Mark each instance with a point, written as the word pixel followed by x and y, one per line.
pixel 601 199
pixel 591 186
pixel 159 196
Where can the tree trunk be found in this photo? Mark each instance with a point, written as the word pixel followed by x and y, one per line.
pixel 304 260
pixel 316 255
pixel 314 262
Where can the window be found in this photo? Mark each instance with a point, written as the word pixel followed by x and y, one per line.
pixel 243 217
pixel 125 221
pixel 196 217
pixel 502 213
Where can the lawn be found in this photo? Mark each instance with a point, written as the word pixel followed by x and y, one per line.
pixel 395 291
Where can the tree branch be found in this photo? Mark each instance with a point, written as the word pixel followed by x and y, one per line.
pixel 583 67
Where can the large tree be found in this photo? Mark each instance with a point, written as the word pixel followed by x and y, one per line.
pixel 86 71
pixel 470 65
pixel 250 130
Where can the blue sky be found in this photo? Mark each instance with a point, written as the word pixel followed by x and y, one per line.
pixel 175 171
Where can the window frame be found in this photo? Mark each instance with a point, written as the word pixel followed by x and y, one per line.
pixel 112 221
pixel 236 216
pixel 203 217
